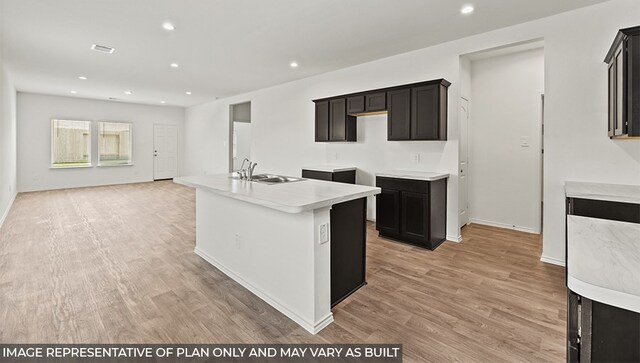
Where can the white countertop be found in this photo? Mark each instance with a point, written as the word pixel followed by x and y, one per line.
pixel 416 175
pixel 329 168
pixel 598 191
pixel 291 197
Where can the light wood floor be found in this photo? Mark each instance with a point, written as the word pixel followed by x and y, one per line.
pixel 115 264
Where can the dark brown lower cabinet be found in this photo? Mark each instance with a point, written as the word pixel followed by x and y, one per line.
pixel 348 248
pixel 598 332
pixel 412 211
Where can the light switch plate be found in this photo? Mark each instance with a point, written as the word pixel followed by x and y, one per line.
pixel 524 141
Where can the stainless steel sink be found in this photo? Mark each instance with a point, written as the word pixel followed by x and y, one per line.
pixel 274 179
pixel 271 178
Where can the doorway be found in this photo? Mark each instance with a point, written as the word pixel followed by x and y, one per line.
pixel 165 152
pixel 239 135
pixel 501 141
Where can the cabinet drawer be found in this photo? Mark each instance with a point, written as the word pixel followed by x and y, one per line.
pixel 409 185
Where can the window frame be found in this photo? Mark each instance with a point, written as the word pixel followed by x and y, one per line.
pixel 130 163
pixel 89 163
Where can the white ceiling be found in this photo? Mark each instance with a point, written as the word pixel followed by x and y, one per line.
pixel 227 47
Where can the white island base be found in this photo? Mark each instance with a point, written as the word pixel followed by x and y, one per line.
pixel 275 255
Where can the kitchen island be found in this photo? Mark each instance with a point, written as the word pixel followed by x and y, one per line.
pixel 275 239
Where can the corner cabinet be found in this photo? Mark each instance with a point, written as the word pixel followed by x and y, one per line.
pixel 415 111
pixel 412 211
pixel 623 67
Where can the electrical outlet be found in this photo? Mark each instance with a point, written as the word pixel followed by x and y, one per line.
pixel 238 241
pixel 323 233
pixel 524 141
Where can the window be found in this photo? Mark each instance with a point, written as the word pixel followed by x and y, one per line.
pixel 70 143
pixel 114 143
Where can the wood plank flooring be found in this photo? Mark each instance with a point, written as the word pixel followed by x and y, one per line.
pixel 115 264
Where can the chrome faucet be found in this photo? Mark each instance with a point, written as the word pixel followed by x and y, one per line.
pixel 247 173
pixel 250 170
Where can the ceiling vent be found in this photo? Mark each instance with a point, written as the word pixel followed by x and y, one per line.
pixel 102 48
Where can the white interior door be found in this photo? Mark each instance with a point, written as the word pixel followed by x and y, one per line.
pixel 165 152
pixel 463 180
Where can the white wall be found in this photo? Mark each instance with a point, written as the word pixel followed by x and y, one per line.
pixel 35 112
pixel 505 177
pixel 575 92
pixel 8 180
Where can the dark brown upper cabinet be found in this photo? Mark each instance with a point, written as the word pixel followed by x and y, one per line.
pixel 399 114
pixel 376 102
pixel 322 121
pixel 355 104
pixel 623 62
pixel 342 127
pixel 416 111
pixel 429 112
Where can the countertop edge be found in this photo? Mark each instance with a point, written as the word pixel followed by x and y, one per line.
pixel 602 294
pixel 577 189
pixel 329 168
pixel 439 176
pixel 281 207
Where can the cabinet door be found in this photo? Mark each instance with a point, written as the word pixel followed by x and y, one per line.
pixel 425 112
pixel 355 104
pixel 322 121
pixel 399 115
pixel 388 211
pixel 612 98
pixel 621 128
pixel 338 120
pixel 376 102
pixel 415 216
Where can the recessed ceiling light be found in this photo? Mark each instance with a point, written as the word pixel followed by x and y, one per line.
pixel 162 102
pixel 174 65
pixel 127 92
pixel 188 92
pixel 468 9
pixel 293 64
pixel 74 92
pixel 168 26
pixel 82 78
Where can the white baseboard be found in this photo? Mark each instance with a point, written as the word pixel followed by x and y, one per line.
pixel 503 225
pixel 6 212
pixel 455 239
pixel 312 328
pixel 553 261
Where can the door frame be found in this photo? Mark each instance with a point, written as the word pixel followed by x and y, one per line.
pixel 460 120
